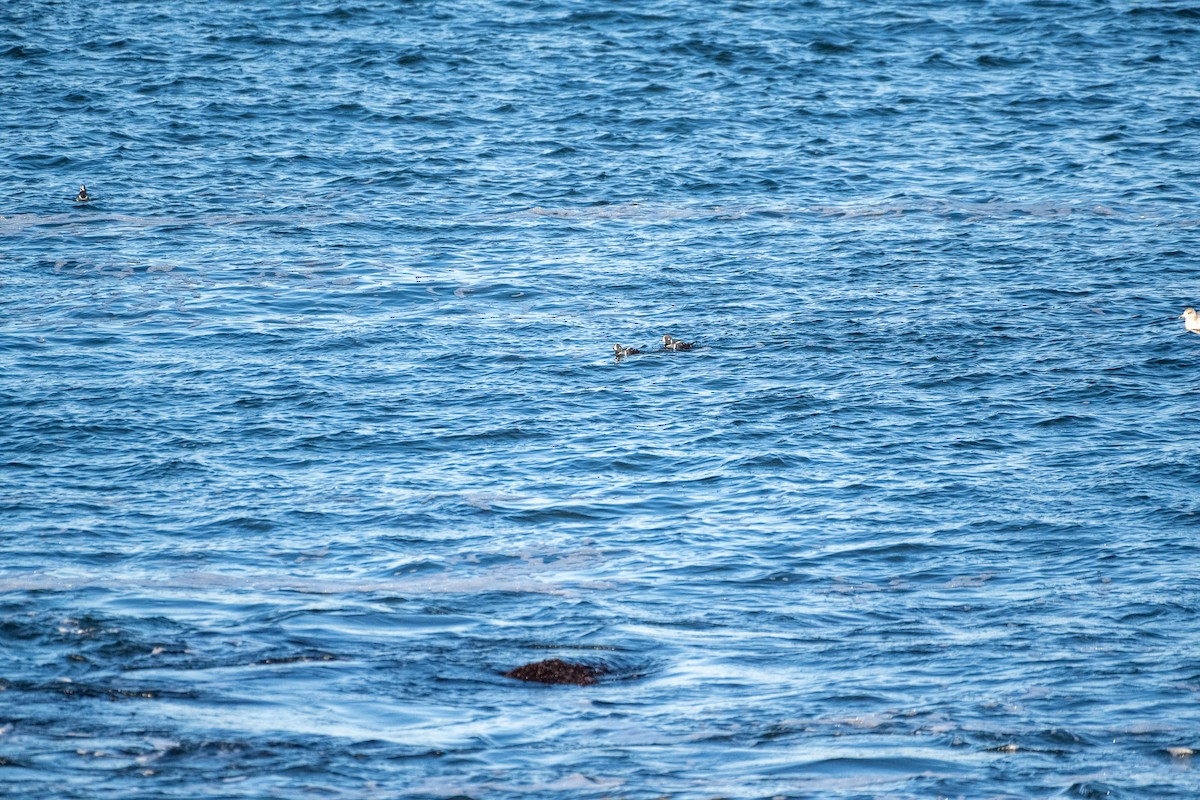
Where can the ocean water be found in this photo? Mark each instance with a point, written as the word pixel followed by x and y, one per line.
pixel 310 425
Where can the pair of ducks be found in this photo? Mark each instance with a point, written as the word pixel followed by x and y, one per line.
pixel 668 344
pixel 1191 320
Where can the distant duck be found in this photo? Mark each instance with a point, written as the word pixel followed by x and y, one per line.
pixel 83 196
pixel 626 351
pixel 674 344
pixel 1191 320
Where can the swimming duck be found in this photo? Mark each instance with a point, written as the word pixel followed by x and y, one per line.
pixel 1191 320
pixel 675 344
pixel 626 351
pixel 83 196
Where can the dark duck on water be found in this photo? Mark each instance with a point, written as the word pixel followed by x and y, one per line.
pixel 83 196
pixel 675 344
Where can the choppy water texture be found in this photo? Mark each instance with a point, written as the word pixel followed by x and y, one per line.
pixel 311 428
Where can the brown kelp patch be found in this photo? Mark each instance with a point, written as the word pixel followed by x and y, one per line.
pixel 555 670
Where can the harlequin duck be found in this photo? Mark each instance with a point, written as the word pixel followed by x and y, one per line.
pixel 674 344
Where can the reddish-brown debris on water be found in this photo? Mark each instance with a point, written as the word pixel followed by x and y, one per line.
pixel 555 670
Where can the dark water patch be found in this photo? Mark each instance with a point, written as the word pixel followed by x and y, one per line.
pixel 1001 62
pixel 828 47
pixel 306 658
pixel 22 53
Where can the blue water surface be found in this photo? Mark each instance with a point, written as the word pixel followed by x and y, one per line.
pixel 310 425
